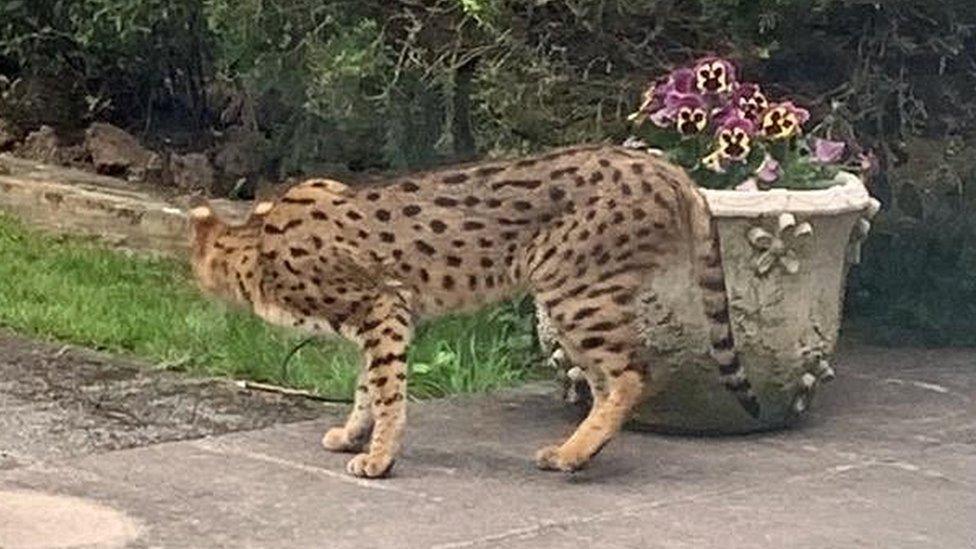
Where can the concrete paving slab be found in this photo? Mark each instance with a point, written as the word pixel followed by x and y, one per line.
pixel 865 505
pixel 30 519
pixel 60 401
pixel 887 459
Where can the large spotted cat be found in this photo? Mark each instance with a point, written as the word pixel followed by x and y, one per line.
pixel 583 229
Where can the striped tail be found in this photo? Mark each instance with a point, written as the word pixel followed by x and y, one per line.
pixel 711 279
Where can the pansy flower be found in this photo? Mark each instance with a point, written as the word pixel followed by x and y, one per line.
pixel 681 81
pixel 714 76
pixel 735 139
pixel 826 151
pixel 750 101
pixel 784 120
pixel 690 112
pixel 653 100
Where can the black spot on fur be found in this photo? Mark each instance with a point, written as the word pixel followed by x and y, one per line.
pixel 604 326
pixel 592 342
pixel 560 173
pixel 454 179
pixel 527 184
pixel 438 226
pixel 301 201
pixel 489 171
pixel 585 312
pixel 425 248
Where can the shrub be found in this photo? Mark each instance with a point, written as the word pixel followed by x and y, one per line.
pixel 117 59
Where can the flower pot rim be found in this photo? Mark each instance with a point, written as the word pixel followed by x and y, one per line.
pixel 849 195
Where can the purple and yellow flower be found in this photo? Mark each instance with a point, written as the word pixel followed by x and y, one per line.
pixel 653 101
pixel 784 120
pixel 750 101
pixel 690 112
pixel 714 76
pixel 721 114
pixel 734 144
pixel 826 151
pixel 735 139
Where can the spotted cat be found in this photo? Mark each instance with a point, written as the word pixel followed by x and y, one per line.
pixel 583 229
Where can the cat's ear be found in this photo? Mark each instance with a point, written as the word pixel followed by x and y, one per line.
pixel 201 213
pixel 262 207
pixel 202 218
pixel 260 210
pixel 199 209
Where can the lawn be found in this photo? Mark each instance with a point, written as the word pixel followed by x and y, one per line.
pixel 75 291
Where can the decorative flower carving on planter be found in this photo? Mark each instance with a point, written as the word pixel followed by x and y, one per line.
pixel 777 249
pixel 860 232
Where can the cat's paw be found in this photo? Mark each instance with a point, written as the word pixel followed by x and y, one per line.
pixel 554 458
pixel 370 465
pixel 337 439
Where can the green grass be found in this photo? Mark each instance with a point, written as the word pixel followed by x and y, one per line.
pixel 75 291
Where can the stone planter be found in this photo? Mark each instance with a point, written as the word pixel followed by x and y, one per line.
pixel 785 255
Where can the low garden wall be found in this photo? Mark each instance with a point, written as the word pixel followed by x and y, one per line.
pixel 121 214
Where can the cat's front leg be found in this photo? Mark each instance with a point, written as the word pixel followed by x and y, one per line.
pixel 353 436
pixel 384 334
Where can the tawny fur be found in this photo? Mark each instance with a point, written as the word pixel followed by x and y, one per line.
pixel 583 229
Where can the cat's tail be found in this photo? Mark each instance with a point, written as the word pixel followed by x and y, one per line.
pixel 711 278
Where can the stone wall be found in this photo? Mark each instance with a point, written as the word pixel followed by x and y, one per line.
pixel 119 213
